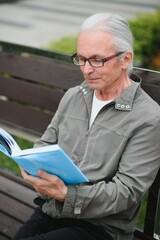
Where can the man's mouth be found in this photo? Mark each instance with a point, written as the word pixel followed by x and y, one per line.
pixel 93 79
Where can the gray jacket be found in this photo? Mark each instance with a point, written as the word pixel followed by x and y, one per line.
pixel 119 154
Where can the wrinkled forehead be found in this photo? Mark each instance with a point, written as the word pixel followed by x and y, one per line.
pixel 93 42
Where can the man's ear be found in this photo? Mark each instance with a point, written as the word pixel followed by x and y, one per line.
pixel 126 59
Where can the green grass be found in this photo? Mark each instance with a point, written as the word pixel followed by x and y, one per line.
pixel 9 164
pixel 141 218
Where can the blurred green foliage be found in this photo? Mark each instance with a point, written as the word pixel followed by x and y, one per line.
pixel 146 32
pixel 66 44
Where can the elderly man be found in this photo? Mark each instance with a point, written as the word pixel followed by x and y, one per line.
pixel 111 129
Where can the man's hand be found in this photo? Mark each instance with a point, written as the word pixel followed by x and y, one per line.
pixel 47 184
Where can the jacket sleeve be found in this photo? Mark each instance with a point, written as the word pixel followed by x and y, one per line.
pixel 137 169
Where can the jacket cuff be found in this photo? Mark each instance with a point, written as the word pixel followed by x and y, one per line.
pixel 73 203
pixel 69 203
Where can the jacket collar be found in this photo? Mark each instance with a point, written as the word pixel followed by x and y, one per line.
pixel 124 102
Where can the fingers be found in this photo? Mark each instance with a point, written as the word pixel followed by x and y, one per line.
pixel 28 178
pixel 21 169
pixel 47 184
pixel 48 177
pixel 52 186
pixel 23 173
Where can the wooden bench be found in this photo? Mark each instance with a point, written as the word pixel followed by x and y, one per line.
pixel 32 82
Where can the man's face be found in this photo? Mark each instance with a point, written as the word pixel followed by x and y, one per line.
pixel 99 44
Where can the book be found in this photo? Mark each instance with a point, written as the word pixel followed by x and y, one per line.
pixel 50 158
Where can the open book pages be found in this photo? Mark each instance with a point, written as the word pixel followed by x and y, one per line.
pixel 47 148
pixel 8 142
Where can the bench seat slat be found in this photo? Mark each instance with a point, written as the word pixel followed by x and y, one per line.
pixel 16 204
pixel 12 205
pixel 3 237
pixel 8 226
pixel 17 191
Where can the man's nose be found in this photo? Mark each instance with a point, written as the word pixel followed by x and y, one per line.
pixel 87 68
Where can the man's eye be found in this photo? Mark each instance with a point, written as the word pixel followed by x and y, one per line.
pixel 96 60
pixel 80 58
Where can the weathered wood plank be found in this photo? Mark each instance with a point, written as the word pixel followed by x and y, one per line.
pixel 30 93
pixel 8 226
pixel 13 187
pixel 23 116
pixel 16 203
pixel 41 69
pixel 153 91
pixel 2 237
pixel 14 208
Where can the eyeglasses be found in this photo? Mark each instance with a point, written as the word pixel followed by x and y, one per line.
pixel 94 62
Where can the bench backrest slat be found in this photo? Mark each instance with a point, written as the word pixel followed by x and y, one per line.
pixel 152 204
pixel 22 116
pixel 30 93
pixel 40 69
pixel 153 91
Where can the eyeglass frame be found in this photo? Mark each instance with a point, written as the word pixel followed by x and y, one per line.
pixel 103 60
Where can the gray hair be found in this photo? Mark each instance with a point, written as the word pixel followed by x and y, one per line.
pixel 114 24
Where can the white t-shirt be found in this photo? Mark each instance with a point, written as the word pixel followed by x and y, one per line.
pixel 97 105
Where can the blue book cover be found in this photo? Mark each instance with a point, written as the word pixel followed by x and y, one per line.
pixel 51 159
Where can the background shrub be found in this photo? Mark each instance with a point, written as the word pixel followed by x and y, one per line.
pixel 146 32
pixel 66 44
